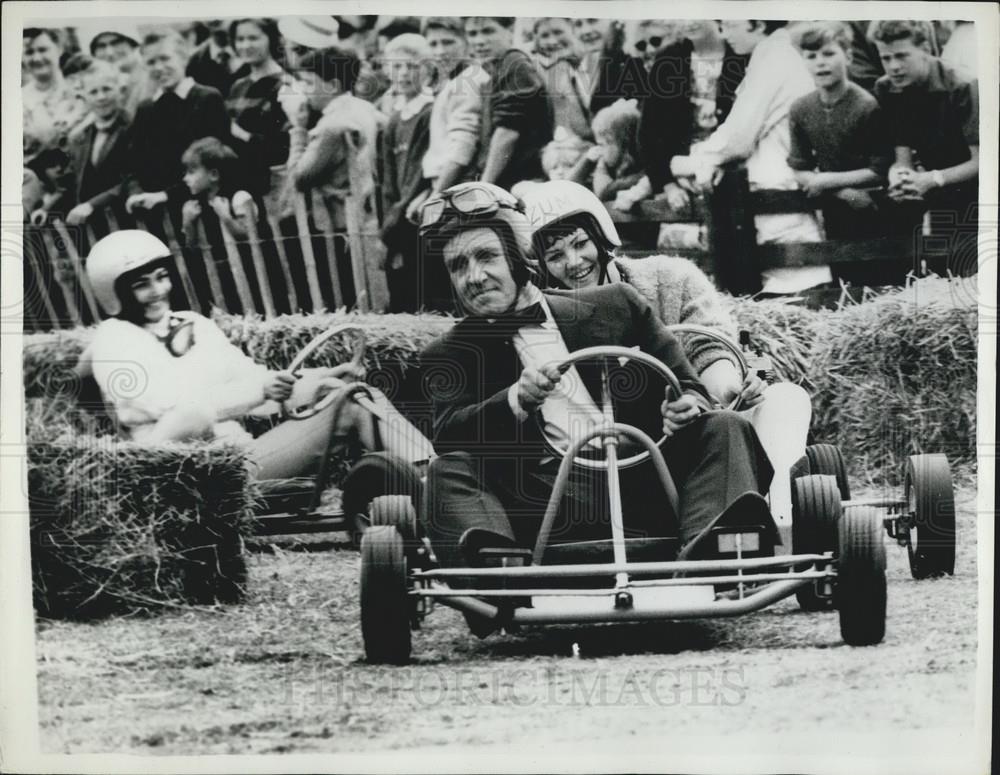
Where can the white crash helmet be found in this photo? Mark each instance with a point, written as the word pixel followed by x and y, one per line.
pixel 116 254
pixel 556 200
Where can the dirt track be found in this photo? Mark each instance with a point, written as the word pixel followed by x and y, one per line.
pixel 282 673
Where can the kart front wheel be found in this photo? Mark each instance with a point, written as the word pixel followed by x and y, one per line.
pixel 815 514
pixel 386 605
pixel 931 500
pixel 827 459
pixel 860 591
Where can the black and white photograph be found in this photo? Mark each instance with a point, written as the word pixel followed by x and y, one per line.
pixel 588 392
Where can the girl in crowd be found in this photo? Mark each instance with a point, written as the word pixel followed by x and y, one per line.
pixel 574 240
pixel 174 376
pixel 259 125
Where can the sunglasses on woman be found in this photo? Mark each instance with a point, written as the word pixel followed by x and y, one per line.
pixel 471 200
pixel 653 42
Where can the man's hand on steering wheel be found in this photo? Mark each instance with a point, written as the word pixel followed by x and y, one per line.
pixel 279 385
pixel 677 414
pixel 535 385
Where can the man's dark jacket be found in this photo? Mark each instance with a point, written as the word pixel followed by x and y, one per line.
pixel 468 371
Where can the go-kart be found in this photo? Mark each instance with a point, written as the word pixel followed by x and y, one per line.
pixel 837 551
pixel 294 506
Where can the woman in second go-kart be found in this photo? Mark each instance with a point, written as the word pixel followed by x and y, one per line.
pixel 170 376
pixel 574 240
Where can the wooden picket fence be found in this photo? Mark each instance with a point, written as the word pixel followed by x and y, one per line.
pixel 297 266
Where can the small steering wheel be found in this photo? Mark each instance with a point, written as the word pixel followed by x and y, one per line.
pixel 295 367
pixel 621 355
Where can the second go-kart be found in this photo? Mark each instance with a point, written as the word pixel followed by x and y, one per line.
pixel 740 571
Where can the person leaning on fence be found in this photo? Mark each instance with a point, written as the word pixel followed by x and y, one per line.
pixel 574 241
pixel 259 126
pixel 180 112
pixel 839 148
pixel 336 158
pixel 174 376
pixel 213 179
pixel 933 123
pixel 756 132
pixel 693 85
pixel 404 144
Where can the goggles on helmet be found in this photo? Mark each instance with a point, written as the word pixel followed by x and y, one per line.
pixel 470 201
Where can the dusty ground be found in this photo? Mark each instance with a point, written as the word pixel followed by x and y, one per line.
pixel 283 673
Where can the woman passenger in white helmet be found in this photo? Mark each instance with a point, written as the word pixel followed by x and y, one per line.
pixel 170 375
pixel 574 240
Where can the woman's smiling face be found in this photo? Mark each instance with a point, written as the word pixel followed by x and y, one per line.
pixel 152 292
pixel 574 260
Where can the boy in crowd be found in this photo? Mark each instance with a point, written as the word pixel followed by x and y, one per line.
pixel 211 175
pixel 99 148
pixel 517 113
pixel 838 148
pixel 756 130
pixel 337 156
pixel 933 123
pixel 179 113
pixel 456 114
pixel 403 146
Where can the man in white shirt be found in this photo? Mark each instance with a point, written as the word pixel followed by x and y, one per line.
pixel 499 402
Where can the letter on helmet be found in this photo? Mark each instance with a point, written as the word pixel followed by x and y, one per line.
pixel 117 254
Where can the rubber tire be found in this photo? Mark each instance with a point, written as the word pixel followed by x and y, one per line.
pixel 375 474
pixel 395 511
pixel 928 485
pixel 386 606
pixel 827 459
pixel 816 513
pixel 861 590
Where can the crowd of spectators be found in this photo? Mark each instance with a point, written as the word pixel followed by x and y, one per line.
pixel 229 120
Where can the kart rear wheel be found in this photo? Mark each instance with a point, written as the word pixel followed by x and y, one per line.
pixel 827 459
pixel 386 606
pixel 860 591
pixel 931 500
pixel 815 515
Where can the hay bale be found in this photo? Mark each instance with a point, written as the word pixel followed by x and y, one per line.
pixel 117 527
pixel 896 375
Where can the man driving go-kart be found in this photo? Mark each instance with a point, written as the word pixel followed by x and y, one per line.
pixel 504 411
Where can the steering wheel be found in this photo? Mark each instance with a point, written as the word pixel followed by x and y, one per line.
pixel 711 333
pixel 295 367
pixel 621 355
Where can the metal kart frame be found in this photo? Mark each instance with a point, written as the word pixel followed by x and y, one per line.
pixel 758 581
pixel 298 501
pixel 638 591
